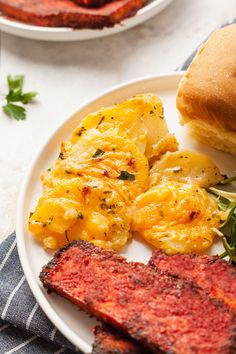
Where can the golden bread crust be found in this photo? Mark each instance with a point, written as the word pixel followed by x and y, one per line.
pixel 208 90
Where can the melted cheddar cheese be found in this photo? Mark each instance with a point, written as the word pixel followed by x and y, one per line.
pixel 176 217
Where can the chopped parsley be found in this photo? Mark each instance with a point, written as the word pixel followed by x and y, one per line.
pixel 16 95
pixel 80 215
pixel 61 156
pixel 98 153
pixel 100 122
pixel 81 131
pixel 177 169
pixel 126 176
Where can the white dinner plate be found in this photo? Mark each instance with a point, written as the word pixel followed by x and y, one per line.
pixel 69 34
pixel 75 325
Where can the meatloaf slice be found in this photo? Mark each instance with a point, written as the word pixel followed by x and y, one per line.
pixel 111 341
pixel 65 13
pixel 160 311
pixel 212 274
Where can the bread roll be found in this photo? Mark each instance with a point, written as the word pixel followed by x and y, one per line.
pixel 206 97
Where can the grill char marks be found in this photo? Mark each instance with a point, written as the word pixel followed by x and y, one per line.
pixel 66 13
pixel 213 275
pixel 160 311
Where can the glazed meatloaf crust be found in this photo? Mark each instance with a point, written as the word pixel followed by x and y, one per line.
pixel 66 13
pixel 161 311
pixel 213 275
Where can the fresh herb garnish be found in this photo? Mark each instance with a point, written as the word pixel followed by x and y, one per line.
pixel 228 180
pixel 80 215
pixel 61 156
pixel 227 203
pixel 126 176
pixel 15 94
pixel 100 121
pixel 98 153
pixel 177 169
pixel 81 131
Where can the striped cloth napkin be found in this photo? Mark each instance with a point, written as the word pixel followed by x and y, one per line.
pixel 24 328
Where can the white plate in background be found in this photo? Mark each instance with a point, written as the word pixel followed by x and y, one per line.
pixel 61 34
pixel 76 325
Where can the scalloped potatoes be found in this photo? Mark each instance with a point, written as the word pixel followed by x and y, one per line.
pixel 141 118
pixel 185 166
pixel 176 217
pixel 98 174
pixel 88 209
pixel 121 172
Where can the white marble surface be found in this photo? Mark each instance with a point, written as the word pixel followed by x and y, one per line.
pixel 68 74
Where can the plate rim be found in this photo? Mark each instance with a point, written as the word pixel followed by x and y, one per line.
pixel 20 223
pixel 124 25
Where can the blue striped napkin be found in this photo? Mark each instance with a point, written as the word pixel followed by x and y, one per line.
pixel 24 328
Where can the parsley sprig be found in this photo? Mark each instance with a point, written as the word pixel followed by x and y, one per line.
pixel 16 94
pixel 126 176
pixel 227 203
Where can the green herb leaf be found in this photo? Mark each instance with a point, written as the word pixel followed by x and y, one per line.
pixel 81 131
pixel 227 203
pixel 28 97
pixel 231 196
pixel 228 180
pixel 126 176
pixel 61 156
pixel 15 111
pixel 98 153
pixel 15 83
pixel 229 250
pixel 15 94
pixel 221 198
pixel 233 235
pixel 230 216
pixel 80 215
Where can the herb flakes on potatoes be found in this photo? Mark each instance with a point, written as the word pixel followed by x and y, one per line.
pixel 78 208
pixel 141 119
pixel 176 217
pixel 122 172
pixel 185 166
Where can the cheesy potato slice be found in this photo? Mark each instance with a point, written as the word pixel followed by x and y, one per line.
pixel 176 217
pixel 166 144
pixel 185 166
pixel 78 208
pixel 110 157
pixel 141 118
